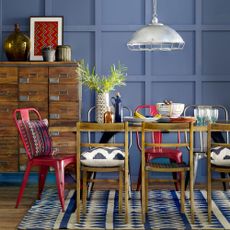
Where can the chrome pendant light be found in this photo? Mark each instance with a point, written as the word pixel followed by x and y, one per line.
pixel 156 37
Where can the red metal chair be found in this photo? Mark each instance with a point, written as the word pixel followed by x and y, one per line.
pixel 38 145
pixel 174 155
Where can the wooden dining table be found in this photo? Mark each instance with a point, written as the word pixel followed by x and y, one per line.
pixel 63 127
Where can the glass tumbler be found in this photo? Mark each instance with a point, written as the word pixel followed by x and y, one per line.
pixel 199 114
pixel 214 113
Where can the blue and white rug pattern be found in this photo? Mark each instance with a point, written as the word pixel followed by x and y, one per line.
pixel 102 212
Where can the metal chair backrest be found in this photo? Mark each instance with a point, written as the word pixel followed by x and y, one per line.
pixel 201 146
pixel 156 137
pixel 171 128
pixel 92 119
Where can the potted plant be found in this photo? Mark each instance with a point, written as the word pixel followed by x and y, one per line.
pixel 102 84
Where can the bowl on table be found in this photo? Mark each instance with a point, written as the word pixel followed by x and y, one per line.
pixel 173 110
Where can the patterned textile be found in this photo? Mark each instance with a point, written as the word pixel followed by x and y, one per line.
pixel 103 157
pixel 102 212
pixel 36 138
pixel 220 156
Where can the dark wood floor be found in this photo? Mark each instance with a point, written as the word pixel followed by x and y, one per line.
pixel 10 217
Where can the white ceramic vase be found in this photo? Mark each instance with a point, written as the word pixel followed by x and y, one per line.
pixel 102 104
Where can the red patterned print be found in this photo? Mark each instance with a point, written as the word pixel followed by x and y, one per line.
pixel 46 34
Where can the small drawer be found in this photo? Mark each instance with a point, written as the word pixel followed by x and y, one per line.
pixel 63 92
pixel 6 110
pixel 40 106
pixel 8 92
pixel 9 145
pixel 66 75
pixel 29 92
pixel 8 75
pixel 8 162
pixel 33 75
pixel 7 130
pixel 67 110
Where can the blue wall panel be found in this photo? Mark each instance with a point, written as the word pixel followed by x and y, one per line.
pixel 20 11
pixel 114 49
pixel 99 30
pixel 82 44
pixel 216 51
pixel 115 12
pixel 176 63
pixel 75 12
pixel 216 12
pixel 182 92
pixel 178 12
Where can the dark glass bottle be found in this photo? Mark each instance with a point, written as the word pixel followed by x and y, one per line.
pixel 17 45
pixel 117 104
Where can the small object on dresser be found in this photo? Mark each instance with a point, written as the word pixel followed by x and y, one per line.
pixel 108 116
pixel 63 53
pixel 17 45
pixel 48 54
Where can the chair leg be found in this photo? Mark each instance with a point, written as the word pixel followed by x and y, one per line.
pixel 42 178
pixel 91 184
pixel 187 178
pixel 146 191
pixel 195 162
pixel 120 191
pixel 23 185
pixel 223 175
pixel 84 189
pixel 209 196
pixel 174 174
pixel 59 172
pixel 139 180
pixel 182 193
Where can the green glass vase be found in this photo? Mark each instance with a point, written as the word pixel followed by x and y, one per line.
pixel 17 45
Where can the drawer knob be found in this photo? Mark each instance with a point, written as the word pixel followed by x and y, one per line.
pixel 24 80
pixel 54 98
pixel 24 98
pixel 4 93
pixel 54 116
pixel 55 134
pixel 54 80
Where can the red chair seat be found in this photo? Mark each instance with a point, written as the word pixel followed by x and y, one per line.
pixel 174 155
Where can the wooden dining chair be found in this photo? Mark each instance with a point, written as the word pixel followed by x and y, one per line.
pixel 102 157
pixel 172 154
pixel 218 160
pixel 200 143
pixel 38 145
pixel 181 168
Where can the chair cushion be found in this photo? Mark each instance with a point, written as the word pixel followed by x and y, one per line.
pixel 36 137
pixel 220 156
pixel 103 157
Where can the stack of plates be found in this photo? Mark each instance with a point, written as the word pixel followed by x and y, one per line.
pixel 138 121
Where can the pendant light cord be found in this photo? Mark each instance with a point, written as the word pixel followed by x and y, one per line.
pixel 155 19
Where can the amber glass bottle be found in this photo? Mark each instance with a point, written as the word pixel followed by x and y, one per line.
pixel 17 45
pixel 108 116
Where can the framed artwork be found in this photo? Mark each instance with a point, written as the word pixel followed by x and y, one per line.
pixel 44 32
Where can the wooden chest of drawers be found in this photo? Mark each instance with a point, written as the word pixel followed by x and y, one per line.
pixel 52 88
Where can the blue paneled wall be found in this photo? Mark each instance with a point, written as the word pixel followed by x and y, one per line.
pixel 98 31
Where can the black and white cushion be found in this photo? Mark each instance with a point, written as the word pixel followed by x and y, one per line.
pixel 220 156
pixel 103 157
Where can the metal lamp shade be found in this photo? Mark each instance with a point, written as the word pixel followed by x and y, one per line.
pixel 156 37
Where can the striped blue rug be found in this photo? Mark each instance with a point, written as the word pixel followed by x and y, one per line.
pixel 102 212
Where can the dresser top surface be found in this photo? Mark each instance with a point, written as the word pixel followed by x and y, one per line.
pixel 37 63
